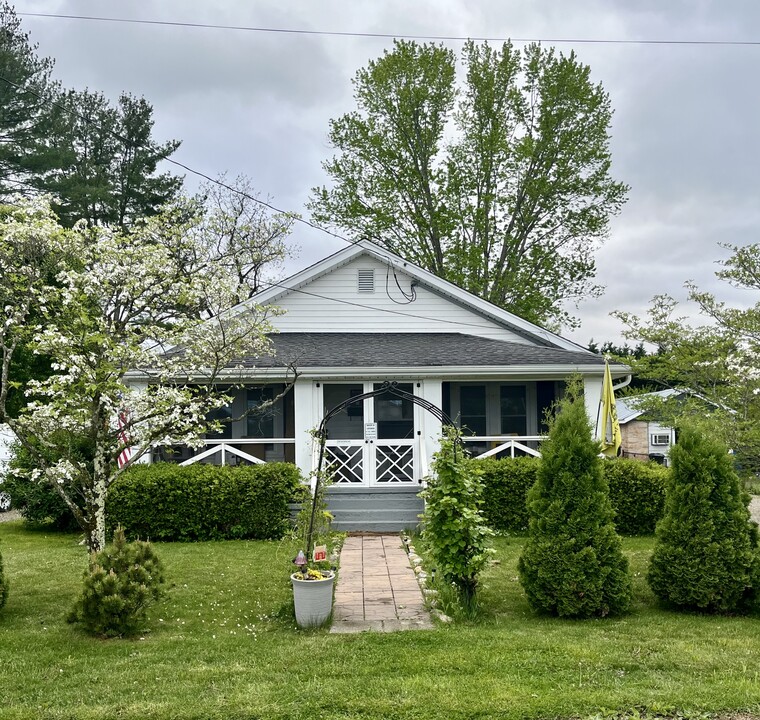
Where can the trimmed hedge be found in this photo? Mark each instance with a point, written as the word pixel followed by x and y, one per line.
pixel 164 501
pixel 505 489
pixel 637 493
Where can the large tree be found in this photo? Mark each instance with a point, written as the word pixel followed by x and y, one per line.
pixel 99 161
pixel 26 90
pixel 122 302
pixel 502 187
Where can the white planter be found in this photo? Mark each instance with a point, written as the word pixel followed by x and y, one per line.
pixel 313 600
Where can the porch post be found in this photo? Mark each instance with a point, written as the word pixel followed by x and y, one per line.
pixel 430 426
pixel 305 421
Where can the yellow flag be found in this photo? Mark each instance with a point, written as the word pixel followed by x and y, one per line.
pixel 610 427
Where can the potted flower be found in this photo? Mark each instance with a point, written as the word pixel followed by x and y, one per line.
pixel 312 593
pixel 313 585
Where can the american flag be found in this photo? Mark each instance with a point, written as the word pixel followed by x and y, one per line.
pixel 126 454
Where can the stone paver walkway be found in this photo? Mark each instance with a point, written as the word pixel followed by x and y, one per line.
pixel 377 588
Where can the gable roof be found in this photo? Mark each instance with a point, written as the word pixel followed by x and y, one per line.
pixel 413 350
pixel 424 278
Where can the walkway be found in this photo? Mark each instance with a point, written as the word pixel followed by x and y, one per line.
pixel 377 588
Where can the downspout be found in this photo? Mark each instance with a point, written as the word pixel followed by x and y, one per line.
pixel 624 383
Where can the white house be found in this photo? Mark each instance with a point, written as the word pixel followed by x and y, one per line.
pixel 365 316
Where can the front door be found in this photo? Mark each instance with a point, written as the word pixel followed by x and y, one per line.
pixel 372 442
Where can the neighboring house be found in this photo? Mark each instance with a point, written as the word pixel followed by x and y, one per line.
pixel 643 438
pixel 364 316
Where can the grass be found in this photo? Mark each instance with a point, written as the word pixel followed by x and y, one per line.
pixel 224 645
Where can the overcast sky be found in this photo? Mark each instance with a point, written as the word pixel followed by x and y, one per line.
pixel 684 133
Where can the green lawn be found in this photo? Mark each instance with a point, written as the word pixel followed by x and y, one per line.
pixel 223 645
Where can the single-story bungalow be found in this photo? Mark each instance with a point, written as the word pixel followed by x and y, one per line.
pixel 362 317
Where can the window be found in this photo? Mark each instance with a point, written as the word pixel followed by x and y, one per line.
pixel 224 414
pixel 663 439
pixel 472 409
pixel 513 409
pixel 260 421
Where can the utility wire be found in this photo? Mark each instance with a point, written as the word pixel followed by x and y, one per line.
pixel 399 36
pixel 272 207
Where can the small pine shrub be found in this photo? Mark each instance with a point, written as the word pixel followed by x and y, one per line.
pixel 705 554
pixel 572 564
pixel 3 584
pixel 123 581
pixel 454 530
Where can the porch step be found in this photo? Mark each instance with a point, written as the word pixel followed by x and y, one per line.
pixel 375 509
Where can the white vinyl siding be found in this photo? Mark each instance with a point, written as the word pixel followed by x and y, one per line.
pixel 314 311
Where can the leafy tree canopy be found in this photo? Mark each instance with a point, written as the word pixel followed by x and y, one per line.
pixel 501 186
pixel 718 361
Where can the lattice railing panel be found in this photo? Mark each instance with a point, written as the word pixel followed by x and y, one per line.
pixel 395 464
pixel 345 463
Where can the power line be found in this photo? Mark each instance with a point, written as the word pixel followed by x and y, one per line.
pixel 272 207
pixel 271 283
pixel 389 36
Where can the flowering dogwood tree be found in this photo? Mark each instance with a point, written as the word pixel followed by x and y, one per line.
pixel 148 302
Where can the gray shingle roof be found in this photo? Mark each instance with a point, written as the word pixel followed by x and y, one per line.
pixel 304 350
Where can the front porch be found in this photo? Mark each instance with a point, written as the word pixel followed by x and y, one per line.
pixel 378 449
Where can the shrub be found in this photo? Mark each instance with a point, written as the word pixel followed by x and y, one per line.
pixel 3 584
pixel 37 500
pixel 120 585
pixel 505 490
pixel 454 530
pixel 164 501
pixel 637 494
pixel 705 554
pixel 572 564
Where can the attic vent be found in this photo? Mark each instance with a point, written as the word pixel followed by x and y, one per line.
pixel 366 281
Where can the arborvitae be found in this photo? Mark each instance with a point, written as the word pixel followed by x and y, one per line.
pixel 572 564
pixel 3 584
pixel 705 555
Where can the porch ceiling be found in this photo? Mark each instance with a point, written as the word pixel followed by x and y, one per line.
pixel 413 350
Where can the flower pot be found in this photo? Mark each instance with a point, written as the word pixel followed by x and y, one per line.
pixel 313 600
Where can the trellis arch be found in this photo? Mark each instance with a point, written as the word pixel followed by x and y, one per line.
pixel 321 434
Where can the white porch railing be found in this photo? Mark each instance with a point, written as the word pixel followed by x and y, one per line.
pixel 505 443
pixel 226 447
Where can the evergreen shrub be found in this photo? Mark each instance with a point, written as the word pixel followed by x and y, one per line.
pixel 572 564
pixel 122 582
pixel 164 501
pixel 705 555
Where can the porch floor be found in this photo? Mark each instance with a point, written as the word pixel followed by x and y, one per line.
pixel 377 588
